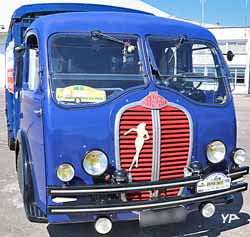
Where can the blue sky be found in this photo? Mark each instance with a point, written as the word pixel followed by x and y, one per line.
pixel 226 12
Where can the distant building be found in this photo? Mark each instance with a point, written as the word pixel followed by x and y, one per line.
pixel 236 39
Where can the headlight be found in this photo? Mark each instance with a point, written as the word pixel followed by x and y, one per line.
pixel 95 163
pixel 239 156
pixel 216 152
pixel 65 172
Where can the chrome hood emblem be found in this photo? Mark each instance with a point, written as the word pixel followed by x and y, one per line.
pixel 142 136
pixel 154 101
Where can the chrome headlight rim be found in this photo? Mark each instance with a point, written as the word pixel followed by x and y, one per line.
pixel 70 177
pixel 104 170
pixel 212 159
pixel 234 153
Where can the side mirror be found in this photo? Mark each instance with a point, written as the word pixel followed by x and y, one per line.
pixel 230 55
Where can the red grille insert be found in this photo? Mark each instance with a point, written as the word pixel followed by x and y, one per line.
pixel 130 119
pixel 175 140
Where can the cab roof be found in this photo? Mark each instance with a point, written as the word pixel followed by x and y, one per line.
pixel 48 8
pixel 32 11
pixel 119 22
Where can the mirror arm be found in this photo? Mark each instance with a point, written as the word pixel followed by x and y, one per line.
pixel 19 49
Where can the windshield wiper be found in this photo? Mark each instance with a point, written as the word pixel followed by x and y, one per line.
pixel 182 38
pixel 98 34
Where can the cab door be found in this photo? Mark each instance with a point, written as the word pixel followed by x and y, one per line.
pixel 32 117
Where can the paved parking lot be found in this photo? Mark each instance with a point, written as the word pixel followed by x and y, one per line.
pixel 14 224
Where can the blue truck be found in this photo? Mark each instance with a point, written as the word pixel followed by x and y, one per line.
pixel 116 114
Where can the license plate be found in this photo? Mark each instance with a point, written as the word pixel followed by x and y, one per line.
pixel 162 217
pixel 213 182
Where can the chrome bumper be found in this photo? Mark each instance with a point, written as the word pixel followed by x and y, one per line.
pixel 159 203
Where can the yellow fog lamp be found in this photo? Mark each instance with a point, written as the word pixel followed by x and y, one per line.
pixel 239 156
pixel 216 152
pixel 95 163
pixel 65 172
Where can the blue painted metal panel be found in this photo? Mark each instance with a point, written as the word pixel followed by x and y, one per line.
pixel 85 131
pixel 140 24
pixel 68 7
pixel 32 126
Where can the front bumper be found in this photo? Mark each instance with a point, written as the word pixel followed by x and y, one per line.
pixel 157 203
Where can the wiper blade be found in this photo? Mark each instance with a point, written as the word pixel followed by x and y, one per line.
pixel 182 38
pixel 98 34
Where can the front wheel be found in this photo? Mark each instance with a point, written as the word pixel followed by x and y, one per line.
pixel 33 213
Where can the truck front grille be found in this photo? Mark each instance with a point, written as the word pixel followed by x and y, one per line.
pixel 173 132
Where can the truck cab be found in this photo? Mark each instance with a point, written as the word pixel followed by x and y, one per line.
pixel 119 115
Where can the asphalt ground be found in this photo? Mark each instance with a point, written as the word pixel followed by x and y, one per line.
pixel 13 222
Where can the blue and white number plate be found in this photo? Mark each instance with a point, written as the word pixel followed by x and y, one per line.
pixel 213 182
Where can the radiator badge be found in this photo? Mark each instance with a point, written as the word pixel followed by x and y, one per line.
pixel 154 101
pixel 142 136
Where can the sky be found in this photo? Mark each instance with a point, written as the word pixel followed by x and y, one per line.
pixel 224 12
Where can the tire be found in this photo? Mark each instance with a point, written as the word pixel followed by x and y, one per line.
pixel 32 211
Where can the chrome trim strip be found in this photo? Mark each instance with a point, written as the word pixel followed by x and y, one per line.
pixel 237 173
pixel 239 180
pixel 156 145
pixel 145 206
pixel 63 199
pixel 124 189
pixel 158 135
pixel 104 190
pixel 154 157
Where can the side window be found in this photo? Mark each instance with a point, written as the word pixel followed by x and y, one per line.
pixel 33 72
pixel 33 76
pixel 204 61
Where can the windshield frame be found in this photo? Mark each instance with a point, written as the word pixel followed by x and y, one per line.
pixel 209 43
pixel 141 54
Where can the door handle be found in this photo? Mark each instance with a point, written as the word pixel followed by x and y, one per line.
pixel 38 113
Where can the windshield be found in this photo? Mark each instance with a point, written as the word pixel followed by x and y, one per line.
pixel 192 68
pixel 92 69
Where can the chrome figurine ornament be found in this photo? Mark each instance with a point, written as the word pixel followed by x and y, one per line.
pixel 142 136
